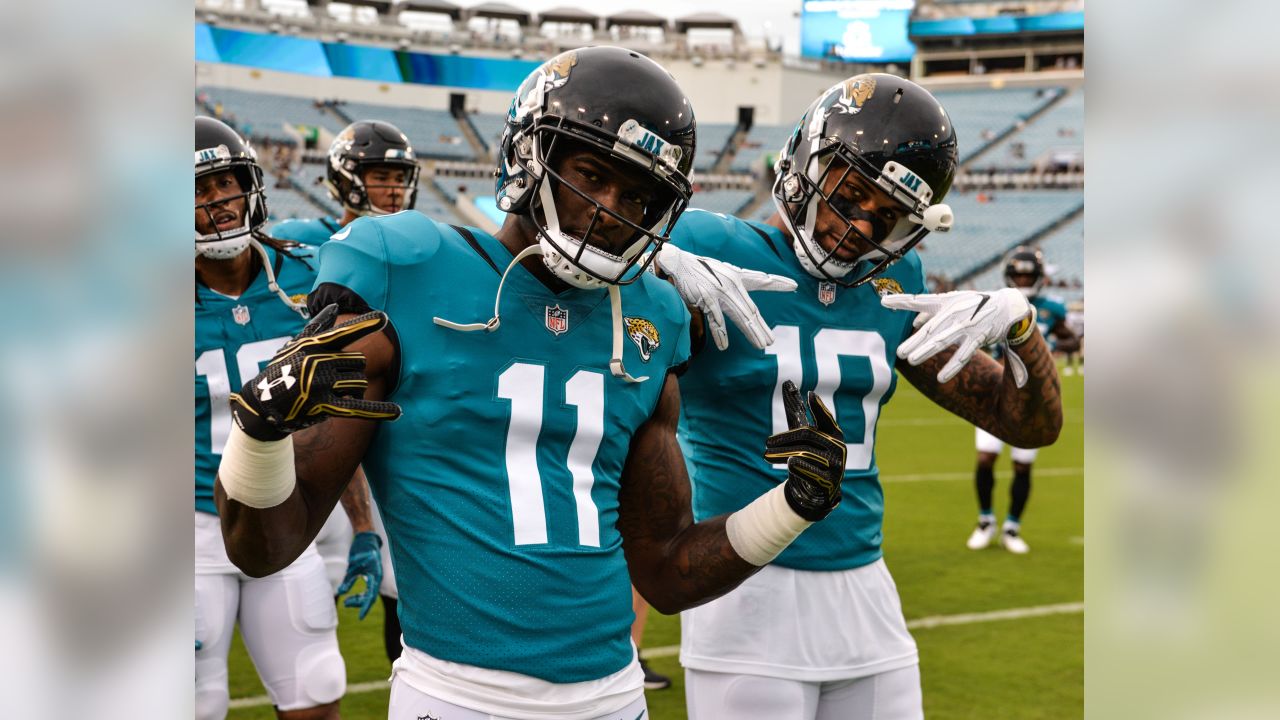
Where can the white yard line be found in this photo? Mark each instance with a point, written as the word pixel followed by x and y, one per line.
pixel 923 623
pixel 929 477
pixel 353 689
pixel 936 621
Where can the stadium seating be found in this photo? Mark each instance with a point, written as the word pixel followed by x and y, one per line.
pixel 993 112
pixel 712 137
pixel 451 185
pixel 489 127
pixel 761 141
pixel 284 203
pixel 434 133
pixel 721 201
pixel 986 230
pixel 306 179
pixel 1059 130
pixel 265 115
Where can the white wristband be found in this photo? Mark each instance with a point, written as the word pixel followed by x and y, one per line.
pixel 763 529
pixel 257 473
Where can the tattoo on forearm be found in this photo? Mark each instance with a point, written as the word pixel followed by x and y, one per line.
pixel 984 394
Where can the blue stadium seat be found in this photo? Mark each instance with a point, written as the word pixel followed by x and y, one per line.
pixel 712 137
pixel 761 141
pixel 265 115
pixel 994 111
pixel 985 231
pixel 434 133
pixel 1060 130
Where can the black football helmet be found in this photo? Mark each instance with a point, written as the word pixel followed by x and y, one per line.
pixel 1025 261
pixel 220 148
pixel 895 135
pixel 621 104
pixel 363 144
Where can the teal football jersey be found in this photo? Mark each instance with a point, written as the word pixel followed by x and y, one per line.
pixel 499 484
pixel 836 340
pixel 308 232
pixel 1049 312
pixel 235 338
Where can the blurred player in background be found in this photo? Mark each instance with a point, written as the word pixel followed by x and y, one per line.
pixel 249 290
pixel 531 471
pixel 819 634
pixel 370 170
pixel 1024 269
pixel 1075 322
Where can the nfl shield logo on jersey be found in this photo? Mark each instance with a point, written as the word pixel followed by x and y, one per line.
pixel 557 319
pixel 826 292
pixel 241 314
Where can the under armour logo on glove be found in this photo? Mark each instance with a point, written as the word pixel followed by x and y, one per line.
pixel 264 387
pixel 329 381
pixel 814 453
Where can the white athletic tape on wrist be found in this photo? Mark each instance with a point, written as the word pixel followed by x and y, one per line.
pixel 257 473
pixel 763 529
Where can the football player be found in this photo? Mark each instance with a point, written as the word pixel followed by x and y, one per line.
pixel 371 169
pixel 533 473
pixel 859 183
pixel 249 290
pixel 1024 270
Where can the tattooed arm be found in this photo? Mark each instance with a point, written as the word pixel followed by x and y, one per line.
pixel 357 504
pixel 985 394
pixel 675 563
pixel 261 541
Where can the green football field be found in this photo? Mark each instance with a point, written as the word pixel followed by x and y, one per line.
pixel 1000 636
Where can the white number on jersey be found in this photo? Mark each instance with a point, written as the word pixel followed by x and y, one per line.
pixel 213 365
pixel 829 345
pixel 523 384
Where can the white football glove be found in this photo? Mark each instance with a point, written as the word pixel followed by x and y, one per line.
pixel 718 289
pixel 968 319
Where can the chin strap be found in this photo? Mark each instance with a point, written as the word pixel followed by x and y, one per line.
pixel 494 322
pixel 615 362
pixel 273 286
pixel 615 303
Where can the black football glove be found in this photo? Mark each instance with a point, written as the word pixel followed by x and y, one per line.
pixel 310 379
pixel 814 455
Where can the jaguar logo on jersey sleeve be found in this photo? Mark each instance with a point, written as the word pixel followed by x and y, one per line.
pixel 644 334
pixel 886 286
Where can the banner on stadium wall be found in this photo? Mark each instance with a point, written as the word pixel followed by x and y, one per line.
pixel 308 56
pixel 873 31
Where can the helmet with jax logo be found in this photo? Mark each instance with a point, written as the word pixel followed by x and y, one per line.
pixel 621 105
pixel 874 131
pixel 221 149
